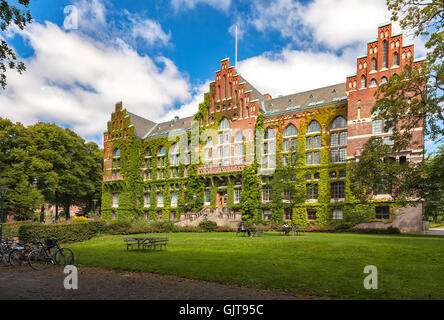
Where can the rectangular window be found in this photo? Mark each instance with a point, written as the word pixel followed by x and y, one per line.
pixel 311 214
pixel 286 146
pixel 287 214
pixel 115 201
pixel 309 143
pixel 294 159
pixel 317 142
pixel 174 199
pixel 294 144
pixel 342 174
pixel 334 139
pixel 382 212
pixel 343 138
pixel 312 191
pixel 285 160
pixel 266 194
pixel 309 158
pixel 207 198
pixel 146 200
pixel 337 190
pixel 342 154
pixel 377 126
pixel 237 195
pixel 334 155
pixel 389 141
pixel 317 157
pixel 337 214
pixel 160 199
pixel 267 214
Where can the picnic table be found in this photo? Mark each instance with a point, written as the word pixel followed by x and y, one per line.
pixel 146 243
pixel 251 231
pixel 295 230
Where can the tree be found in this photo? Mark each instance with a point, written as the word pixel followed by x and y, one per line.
pixel 11 14
pixel 72 171
pixel 23 197
pixel 434 185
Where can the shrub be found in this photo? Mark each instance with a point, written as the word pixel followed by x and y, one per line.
pixel 118 227
pixel 389 230
pixel 188 229
pixel 63 232
pixel 224 229
pixel 164 226
pixel 79 219
pixel 11 229
pixel 207 226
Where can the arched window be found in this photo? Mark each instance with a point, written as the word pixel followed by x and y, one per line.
pixel 314 126
pixel 384 54
pixel 374 65
pixel 161 151
pixel 224 124
pixel 290 131
pixel 396 59
pixel 339 123
pixel 373 83
pixel 116 153
pixel 235 99
pixel 290 145
pixel 363 82
pixel 383 80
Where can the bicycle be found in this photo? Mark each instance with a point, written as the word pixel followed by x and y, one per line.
pixel 5 250
pixel 39 258
pixel 20 253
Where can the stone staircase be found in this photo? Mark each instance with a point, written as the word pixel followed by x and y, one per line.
pixel 222 217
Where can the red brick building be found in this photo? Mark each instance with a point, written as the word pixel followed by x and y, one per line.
pixel 308 135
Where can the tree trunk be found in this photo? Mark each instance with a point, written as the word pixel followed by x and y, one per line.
pixel 66 208
pixel 42 214
pixel 57 212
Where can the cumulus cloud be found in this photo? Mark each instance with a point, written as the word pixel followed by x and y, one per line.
pixel 191 4
pixel 74 80
pixel 149 30
pixel 293 71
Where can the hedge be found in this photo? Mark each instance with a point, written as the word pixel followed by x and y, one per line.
pixel 11 229
pixel 63 232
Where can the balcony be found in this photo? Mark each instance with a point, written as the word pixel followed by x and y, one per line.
pixel 235 168
pixel 112 178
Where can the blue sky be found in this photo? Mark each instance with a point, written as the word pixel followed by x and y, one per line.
pixel 158 56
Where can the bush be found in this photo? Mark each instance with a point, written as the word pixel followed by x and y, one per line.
pixel 79 219
pixel 118 227
pixel 63 232
pixel 225 229
pixel 164 226
pixel 11 229
pixel 188 229
pixel 207 226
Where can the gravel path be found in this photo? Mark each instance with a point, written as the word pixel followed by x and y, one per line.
pixel 24 283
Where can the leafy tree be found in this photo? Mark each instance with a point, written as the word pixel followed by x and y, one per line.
pixel 23 197
pixel 73 172
pixel 434 185
pixel 18 16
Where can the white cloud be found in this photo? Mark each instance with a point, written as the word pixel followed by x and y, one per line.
pixel 75 80
pixel 149 30
pixel 191 4
pixel 293 71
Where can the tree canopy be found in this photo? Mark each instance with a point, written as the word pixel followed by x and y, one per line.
pixel 45 162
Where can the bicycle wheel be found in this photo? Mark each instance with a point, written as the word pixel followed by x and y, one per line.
pixel 38 259
pixel 16 258
pixel 63 257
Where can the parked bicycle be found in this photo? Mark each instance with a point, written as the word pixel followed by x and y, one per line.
pixel 6 247
pixel 19 254
pixel 50 253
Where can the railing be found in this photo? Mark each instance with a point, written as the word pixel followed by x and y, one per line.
pixel 113 178
pixel 193 216
pixel 203 170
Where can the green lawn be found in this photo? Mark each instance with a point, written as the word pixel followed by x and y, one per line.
pixel 316 264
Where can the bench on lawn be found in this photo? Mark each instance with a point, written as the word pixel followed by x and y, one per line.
pixel 146 243
pixel 286 230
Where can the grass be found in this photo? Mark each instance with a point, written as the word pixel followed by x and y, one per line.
pixel 322 265
pixel 436 224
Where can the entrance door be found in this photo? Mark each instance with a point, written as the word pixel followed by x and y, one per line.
pixel 221 199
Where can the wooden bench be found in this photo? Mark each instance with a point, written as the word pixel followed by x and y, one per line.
pixel 155 243
pixel 300 229
pixel 295 230
pixel 146 243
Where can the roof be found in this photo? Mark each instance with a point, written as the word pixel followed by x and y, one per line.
pixel 308 99
pixel 141 125
pixel 164 128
